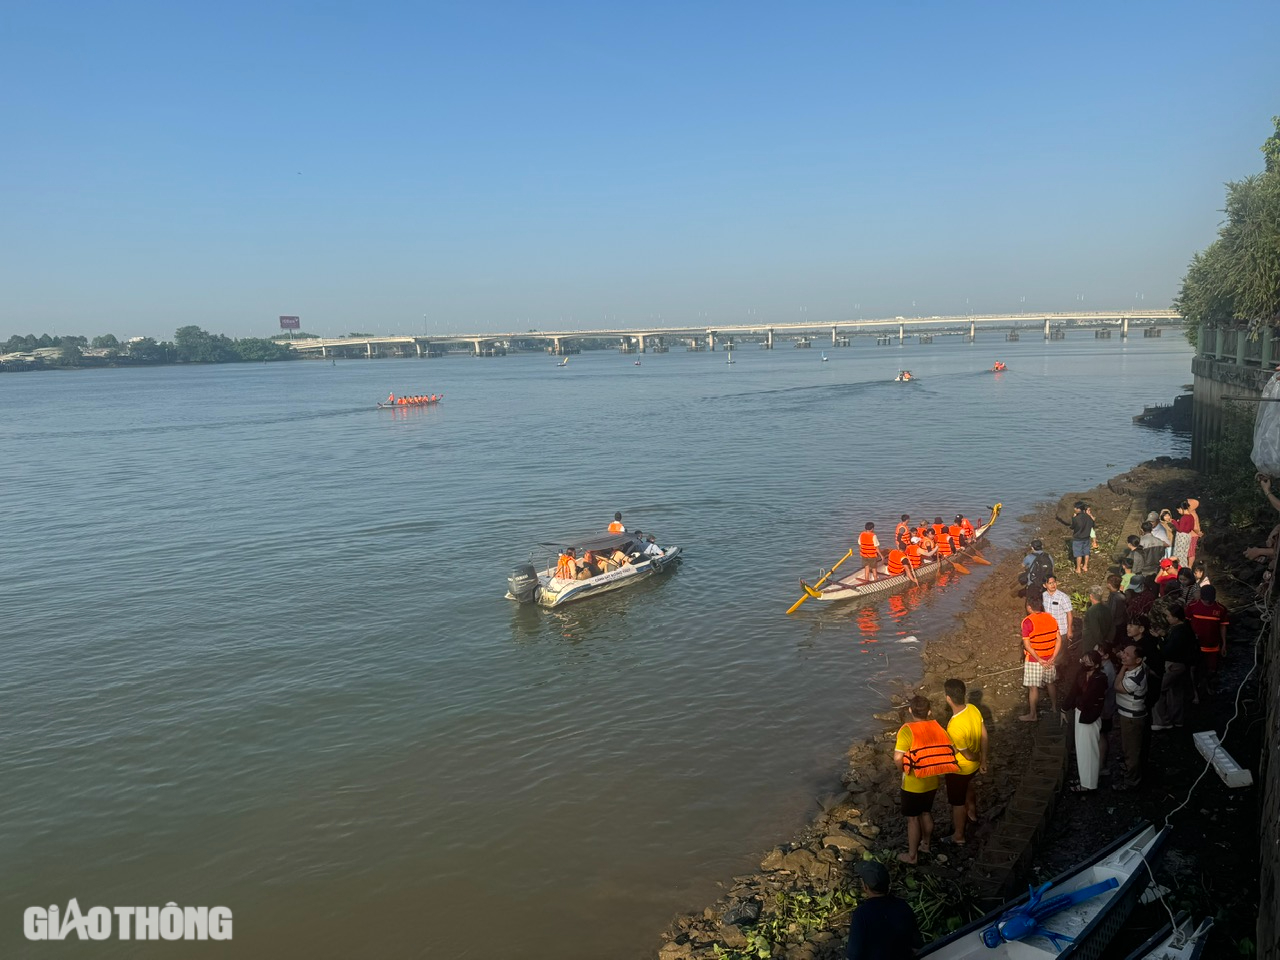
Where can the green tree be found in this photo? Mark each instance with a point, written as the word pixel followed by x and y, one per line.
pixel 194 345
pixel 45 341
pixel 147 350
pixel 20 344
pixel 107 341
pixel 1237 278
pixel 255 348
pixel 70 353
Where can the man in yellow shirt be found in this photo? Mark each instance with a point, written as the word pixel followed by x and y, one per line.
pixel 968 735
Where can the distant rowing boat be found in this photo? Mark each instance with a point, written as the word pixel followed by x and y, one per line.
pixel 416 403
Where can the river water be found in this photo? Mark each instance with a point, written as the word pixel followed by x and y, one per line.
pixel 257 652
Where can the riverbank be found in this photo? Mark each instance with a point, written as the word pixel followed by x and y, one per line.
pixel 797 906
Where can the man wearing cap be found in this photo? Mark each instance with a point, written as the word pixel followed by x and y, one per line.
pixel 1140 595
pixel 1151 545
pixel 883 927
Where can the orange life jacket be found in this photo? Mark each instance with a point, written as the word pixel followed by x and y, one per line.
pixel 954 532
pixel 913 555
pixel 617 527
pixel 944 544
pixel 565 567
pixel 902 532
pixel 922 532
pixel 867 545
pixel 927 544
pixel 1044 634
pixel 966 527
pixel 931 753
pixel 895 561
pixel 938 529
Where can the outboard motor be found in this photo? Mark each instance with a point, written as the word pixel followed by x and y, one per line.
pixel 523 583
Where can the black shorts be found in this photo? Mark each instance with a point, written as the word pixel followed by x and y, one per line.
pixel 1107 723
pixel 914 804
pixel 958 788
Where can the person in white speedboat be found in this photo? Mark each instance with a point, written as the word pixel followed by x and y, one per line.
pixel 651 549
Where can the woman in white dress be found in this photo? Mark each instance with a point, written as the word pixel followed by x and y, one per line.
pixel 1087 697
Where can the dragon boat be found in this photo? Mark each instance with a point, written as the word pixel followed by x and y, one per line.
pixel 536 581
pixel 853 585
pixel 1072 917
pixel 427 402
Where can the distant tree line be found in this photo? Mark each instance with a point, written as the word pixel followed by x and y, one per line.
pixel 1236 279
pixel 190 345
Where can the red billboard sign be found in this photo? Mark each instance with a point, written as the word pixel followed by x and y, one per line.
pixel 290 323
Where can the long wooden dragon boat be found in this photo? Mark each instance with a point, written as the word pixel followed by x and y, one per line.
pixel 853 585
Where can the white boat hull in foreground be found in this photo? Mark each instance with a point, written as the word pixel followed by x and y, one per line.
pixel 1091 924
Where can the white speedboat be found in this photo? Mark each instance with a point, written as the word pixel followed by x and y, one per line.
pixel 535 582
pixel 1179 940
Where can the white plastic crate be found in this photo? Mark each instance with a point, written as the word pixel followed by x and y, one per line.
pixel 1210 747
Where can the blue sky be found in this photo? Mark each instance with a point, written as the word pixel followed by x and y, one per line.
pixel 491 166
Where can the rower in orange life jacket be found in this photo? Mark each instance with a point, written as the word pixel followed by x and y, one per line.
pixel 913 553
pixel 938 528
pixel 616 526
pixel 902 532
pixel 391 397
pixel 955 533
pixel 869 550
pixel 966 528
pixel 944 543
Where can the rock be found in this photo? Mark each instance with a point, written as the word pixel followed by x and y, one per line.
pixel 773 859
pixel 709 914
pixel 799 861
pixel 844 843
pixel 869 830
pixel 675 951
pixel 732 937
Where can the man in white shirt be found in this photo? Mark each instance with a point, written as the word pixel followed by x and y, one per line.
pixel 1059 604
pixel 651 549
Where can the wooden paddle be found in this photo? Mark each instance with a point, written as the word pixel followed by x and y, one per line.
pixel 959 567
pixel 979 558
pixel 796 606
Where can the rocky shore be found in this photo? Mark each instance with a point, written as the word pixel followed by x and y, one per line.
pixel 797 906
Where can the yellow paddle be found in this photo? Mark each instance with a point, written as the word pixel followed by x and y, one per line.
pixel 811 591
pixel 959 567
pixel 978 558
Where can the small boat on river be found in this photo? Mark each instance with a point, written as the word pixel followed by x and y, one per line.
pixel 853 585
pixel 1072 917
pixel 406 402
pixel 905 376
pixel 537 581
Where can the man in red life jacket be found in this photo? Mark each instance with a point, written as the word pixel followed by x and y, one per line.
pixel 1041 641
pixel 924 753
pixel 869 550
pixel 913 554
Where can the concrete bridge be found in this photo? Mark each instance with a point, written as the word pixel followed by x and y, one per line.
pixel 641 338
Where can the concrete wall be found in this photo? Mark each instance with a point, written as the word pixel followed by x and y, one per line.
pixel 1227 364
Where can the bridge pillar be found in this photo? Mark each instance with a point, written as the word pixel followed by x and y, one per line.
pixel 368 349
pixel 641 339
pixel 833 336
pixel 973 331
pixel 1124 328
pixel 711 340
pixel 768 338
pixel 417 345
pixel 1046 328
pixel 902 333
pixel 479 347
pixel 324 352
